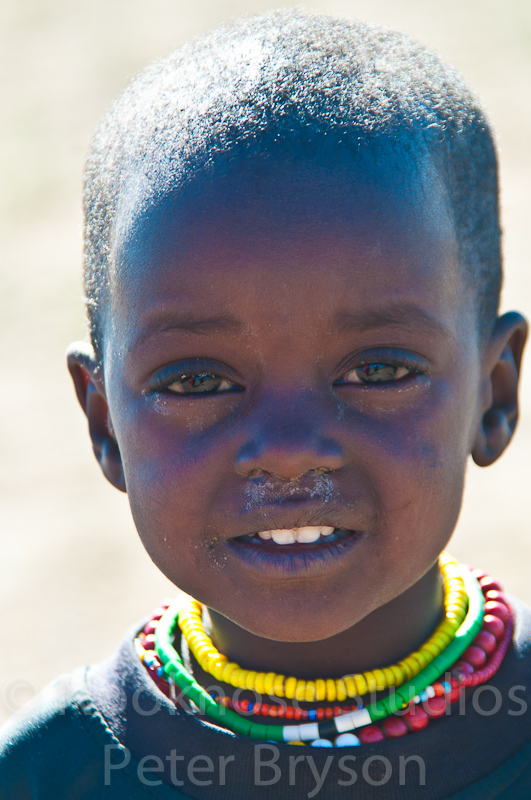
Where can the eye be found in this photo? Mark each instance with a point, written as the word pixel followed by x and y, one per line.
pixel 201 383
pixel 375 372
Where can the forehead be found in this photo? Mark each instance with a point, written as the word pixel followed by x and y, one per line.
pixel 260 237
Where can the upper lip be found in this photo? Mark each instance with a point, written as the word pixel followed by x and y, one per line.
pixel 309 514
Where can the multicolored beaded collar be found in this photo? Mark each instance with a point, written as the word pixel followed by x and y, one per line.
pixel 472 656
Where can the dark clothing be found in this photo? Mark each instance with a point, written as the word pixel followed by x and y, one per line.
pixel 106 732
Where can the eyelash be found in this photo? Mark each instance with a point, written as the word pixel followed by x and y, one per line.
pixel 188 377
pixel 412 369
pixel 189 373
pixel 185 376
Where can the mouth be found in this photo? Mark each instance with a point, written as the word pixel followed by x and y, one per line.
pixel 309 534
pixel 290 552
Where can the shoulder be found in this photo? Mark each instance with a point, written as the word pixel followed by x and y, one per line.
pixel 511 781
pixel 499 732
pixel 57 734
pixel 59 746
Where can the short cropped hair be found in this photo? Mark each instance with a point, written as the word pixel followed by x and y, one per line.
pixel 300 78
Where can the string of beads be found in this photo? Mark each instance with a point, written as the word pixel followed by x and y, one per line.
pixel 277 711
pixel 353 685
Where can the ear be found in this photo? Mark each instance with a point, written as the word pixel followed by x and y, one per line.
pixel 87 375
pixel 501 371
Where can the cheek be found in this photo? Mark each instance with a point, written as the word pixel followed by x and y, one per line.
pixel 174 476
pixel 420 467
pixel 417 478
pixel 165 479
pixel 167 445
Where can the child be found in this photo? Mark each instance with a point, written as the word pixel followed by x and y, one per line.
pixel 292 279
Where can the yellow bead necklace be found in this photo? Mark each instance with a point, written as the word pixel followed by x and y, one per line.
pixel 329 690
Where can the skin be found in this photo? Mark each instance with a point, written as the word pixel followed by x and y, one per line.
pixel 323 267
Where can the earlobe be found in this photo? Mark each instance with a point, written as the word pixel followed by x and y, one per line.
pixel 501 366
pixel 90 390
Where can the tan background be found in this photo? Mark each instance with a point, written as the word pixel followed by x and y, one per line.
pixel 73 576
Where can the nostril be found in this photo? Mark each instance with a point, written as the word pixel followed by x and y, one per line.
pixel 256 474
pixel 263 474
pixel 320 471
pixel 289 456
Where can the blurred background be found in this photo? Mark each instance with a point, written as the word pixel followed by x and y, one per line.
pixel 73 576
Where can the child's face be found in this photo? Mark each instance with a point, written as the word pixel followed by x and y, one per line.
pixel 294 288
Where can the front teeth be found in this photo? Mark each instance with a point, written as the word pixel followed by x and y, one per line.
pixel 312 533
pixel 283 536
pixel 306 535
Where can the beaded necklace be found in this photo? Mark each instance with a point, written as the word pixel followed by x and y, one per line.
pixel 489 626
pixel 354 685
pixel 310 731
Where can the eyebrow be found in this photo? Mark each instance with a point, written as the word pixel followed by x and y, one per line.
pixel 407 316
pixel 404 315
pixel 187 323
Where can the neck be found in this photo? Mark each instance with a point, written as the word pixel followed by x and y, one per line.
pixel 383 637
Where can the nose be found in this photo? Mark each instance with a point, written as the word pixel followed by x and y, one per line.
pixel 289 442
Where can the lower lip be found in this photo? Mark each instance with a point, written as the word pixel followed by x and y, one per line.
pixel 295 560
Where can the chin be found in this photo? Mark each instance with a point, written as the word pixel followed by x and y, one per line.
pixel 297 626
